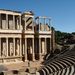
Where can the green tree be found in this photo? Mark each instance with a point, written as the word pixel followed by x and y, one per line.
pixel 60 36
pixel 73 33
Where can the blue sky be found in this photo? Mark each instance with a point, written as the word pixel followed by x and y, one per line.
pixel 62 12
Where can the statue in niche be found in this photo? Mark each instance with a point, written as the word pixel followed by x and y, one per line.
pixel 31 50
pixel 17 48
pixel 4 50
pixel 43 46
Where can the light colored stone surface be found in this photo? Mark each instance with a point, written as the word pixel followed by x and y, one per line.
pixel 17 40
pixel 21 67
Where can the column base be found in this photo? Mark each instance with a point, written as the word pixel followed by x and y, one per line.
pixel 41 57
pixel 26 60
pixel 33 60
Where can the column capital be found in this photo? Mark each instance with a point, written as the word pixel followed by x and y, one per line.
pixel 32 37
pixel 6 37
pixel 14 37
pixel 40 37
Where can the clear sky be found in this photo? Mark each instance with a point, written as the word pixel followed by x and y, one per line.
pixel 62 12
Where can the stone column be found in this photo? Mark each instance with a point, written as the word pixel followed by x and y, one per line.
pixel 25 23
pixel 20 46
pixel 14 45
pixel 50 24
pixel 33 54
pixel 0 47
pixel 39 48
pixel 25 49
pixel 33 24
pixel 7 45
pixel 0 21
pixel 39 23
pixel 13 21
pixel 6 21
pixel 50 45
pixel 44 25
pixel 45 46
pixel 20 22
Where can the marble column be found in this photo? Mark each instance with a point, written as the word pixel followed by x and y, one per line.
pixel 39 23
pixel 33 25
pixel 13 21
pixel 6 21
pixel 20 46
pixel 25 23
pixel 7 45
pixel 50 45
pixel 0 47
pixel 33 54
pixel 14 45
pixel 44 24
pixel 50 24
pixel 39 48
pixel 20 22
pixel 0 21
pixel 25 49
pixel 45 46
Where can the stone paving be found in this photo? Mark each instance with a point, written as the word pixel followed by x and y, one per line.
pixel 22 67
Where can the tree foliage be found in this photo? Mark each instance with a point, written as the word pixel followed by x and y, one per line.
pixel 60 36
pixel 73 33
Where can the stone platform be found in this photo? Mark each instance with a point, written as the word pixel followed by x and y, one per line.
pixel 20 67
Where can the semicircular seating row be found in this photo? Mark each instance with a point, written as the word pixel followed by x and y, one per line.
pixel 64 65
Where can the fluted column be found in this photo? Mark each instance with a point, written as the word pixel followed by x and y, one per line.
pixel 14 45
pixel 6 21
pixel 25 49
pixel 13 21
pixel 7 45
pixel 39 48
pixel 33 49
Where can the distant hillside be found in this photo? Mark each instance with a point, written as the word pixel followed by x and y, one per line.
pixel 64 38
